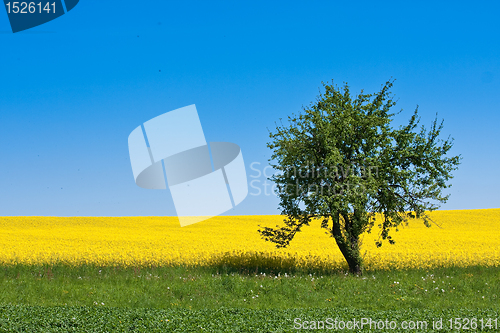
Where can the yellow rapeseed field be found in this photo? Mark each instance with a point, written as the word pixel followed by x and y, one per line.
pixel 465 237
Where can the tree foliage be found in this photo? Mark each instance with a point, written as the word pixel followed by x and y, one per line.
pixel 340 161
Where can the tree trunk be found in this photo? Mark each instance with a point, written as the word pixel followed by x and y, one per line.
pixel 349 248
pixel 354 261
pixel 352 255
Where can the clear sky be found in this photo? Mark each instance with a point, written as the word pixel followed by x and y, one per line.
pixel 72 90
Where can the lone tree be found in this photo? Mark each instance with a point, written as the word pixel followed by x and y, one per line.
pixel 340 161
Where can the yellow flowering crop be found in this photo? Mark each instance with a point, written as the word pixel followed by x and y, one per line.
pixel 465 237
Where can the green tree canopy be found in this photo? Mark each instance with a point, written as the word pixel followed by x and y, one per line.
pixel 340 161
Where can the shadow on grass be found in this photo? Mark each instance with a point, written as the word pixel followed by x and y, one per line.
pixel 255 263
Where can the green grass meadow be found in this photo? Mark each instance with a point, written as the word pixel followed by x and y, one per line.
pixel 176 299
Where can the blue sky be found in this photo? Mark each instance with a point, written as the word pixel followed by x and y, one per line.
pixel 72 90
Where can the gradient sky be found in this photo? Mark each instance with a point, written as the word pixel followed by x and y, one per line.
pixel 72 90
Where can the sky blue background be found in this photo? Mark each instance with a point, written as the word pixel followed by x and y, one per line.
pixel 73 89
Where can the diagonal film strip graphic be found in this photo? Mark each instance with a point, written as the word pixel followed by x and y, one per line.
pixel 205 180
pixel 28 14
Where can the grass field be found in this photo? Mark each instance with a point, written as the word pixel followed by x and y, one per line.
pixel 94 319
pixel 148 274
pixel 208 288
pixel 63 298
